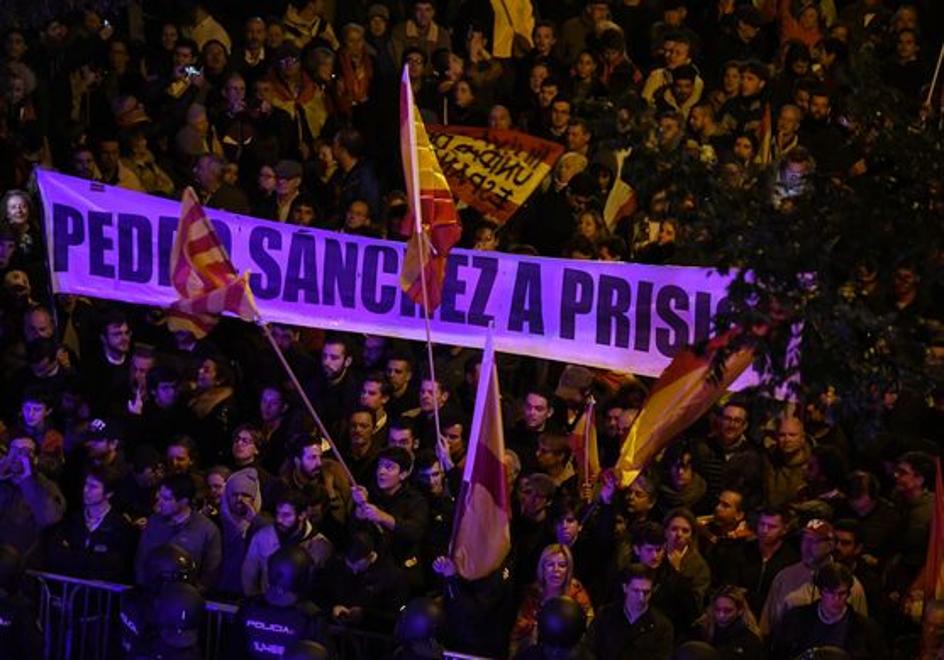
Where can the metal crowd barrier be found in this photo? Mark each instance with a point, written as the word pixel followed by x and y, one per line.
pixel 79 621
pixel 78 617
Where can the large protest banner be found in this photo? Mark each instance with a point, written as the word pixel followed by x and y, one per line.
pixel 493 171
pixel 115 244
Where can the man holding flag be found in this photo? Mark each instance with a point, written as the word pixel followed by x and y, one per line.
pixel 478 588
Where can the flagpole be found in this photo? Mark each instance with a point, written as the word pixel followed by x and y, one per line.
pixel 937 71
pixel 262 323
pixel 420 236
pixel 587 421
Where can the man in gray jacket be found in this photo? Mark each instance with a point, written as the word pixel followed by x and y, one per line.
pixel 29 502
pixel 176 522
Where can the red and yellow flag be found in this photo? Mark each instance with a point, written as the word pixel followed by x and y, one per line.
pixel 203 275
pixel 583 444
pixel 436 225
pixel 929 586
pixel 481 533
pixel 684 392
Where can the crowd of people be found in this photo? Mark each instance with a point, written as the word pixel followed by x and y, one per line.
pixel 189 468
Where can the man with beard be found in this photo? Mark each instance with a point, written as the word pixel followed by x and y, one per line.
pixel 309 472
pixel 333 391
pixel 175 521
pixel 240 519
pixel 292 527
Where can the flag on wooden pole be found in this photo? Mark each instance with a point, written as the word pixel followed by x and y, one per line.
pixel 683 393
pixel 436 225
pixel 481 533
pixel 203 275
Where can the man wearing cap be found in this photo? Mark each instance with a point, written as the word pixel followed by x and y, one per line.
pixel 397 507
pixel 795 584
pixel 288 183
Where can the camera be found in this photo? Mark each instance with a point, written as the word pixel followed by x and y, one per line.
pixel 192 71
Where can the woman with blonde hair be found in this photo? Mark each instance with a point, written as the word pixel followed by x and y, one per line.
pixel 555 578
pixel 729 625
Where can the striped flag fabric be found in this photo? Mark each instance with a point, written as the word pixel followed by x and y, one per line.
pixel 765 136
pixel 436 227
pixel 203 275
pixel 931 579
pixel 683 393
pixel 929 586
pixel 481 533
pixel 513 18
pixel 583 444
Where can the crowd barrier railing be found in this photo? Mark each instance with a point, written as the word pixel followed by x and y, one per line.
pixel 79 620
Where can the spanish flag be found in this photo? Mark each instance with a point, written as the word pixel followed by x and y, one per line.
pixel 203 275
pixel 683 393
pixel 930 582
pixel 481 533
pixel 512 18
pixel 436 225
pixel 583 444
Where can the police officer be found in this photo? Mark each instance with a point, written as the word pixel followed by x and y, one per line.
pixel 307 650
pixel 417 628
pixel 561 624
pixel 18 627
pixel 165 564
pixel 178 616
pixel 268 625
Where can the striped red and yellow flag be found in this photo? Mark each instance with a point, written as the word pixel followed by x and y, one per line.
pixel 583 444
pixel 203 275
pixel 684 392
pixel 481 533
pixel 436 227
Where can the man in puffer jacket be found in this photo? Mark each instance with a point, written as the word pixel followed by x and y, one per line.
pixel 291 527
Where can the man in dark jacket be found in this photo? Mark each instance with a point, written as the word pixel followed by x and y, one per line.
pixel 631 629
pixel 363 589
pixel 398 508
pixel 829 621
pixel 96 541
